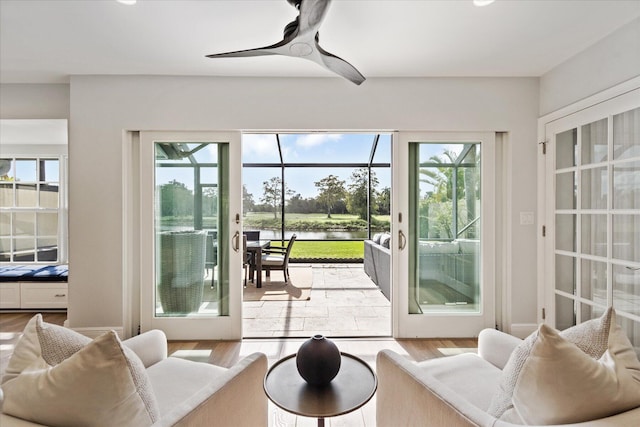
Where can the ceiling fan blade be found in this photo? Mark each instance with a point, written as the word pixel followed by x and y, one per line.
pixel 312 12
pixel 340 66
pixel 260 51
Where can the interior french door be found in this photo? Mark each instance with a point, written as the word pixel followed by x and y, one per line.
pixel 443 234
pixel 190 234
pixel 592 215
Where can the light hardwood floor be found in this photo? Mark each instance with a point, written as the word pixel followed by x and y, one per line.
pixel 227 353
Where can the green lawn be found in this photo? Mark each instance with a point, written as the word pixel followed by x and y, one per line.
pixel 325 249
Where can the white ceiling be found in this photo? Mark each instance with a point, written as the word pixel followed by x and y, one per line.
pixel 47 41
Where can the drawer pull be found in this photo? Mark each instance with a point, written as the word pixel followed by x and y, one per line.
pixel 60 295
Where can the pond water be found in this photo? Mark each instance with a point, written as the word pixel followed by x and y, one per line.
pixel 300 235
pixel 314 235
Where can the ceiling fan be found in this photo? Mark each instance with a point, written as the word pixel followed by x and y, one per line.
pixel 301 40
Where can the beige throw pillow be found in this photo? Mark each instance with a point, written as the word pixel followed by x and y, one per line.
pixel 590 336
pixel 26 352
pixel 561 384
pixel 101 384
pixel 58 343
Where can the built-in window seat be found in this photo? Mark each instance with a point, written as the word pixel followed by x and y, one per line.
pixel 33 286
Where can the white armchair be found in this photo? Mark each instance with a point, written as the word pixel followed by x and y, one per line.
pixel 185 393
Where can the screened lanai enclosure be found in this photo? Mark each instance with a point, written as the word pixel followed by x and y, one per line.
pixel 444 260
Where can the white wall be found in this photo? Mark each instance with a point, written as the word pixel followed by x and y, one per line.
pixel 102 107
pixel 613 60
pixel 34 101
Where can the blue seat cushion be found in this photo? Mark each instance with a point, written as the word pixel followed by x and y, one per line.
pixel 34 273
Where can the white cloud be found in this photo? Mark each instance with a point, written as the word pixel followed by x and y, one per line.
pixel 314 139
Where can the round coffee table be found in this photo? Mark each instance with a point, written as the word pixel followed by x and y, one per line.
pixel 354 386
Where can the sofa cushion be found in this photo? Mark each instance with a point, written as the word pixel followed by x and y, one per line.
pixel 58 343
pixel 560 384
pixel 175 380
pixel 101 384
pixel 588 336
pixel 385 241
pixel 467 375
pixel 376 238
pixel 26 352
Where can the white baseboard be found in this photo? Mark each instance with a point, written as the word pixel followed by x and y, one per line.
pixel 523 330
pixel 96 332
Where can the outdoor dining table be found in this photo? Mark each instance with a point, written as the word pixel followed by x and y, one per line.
pixel 255 247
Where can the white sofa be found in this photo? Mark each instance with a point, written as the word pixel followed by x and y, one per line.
pixel 456 390
pixel 190 393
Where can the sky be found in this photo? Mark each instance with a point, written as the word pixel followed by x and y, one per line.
pixel 296 148
pixel 311 148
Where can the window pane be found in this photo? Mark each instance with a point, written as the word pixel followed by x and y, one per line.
pixel 594 281
pixel 594 235
pixel 5 224
pixel 566 274
pixel 565 313
pixel 26 195
pixel 49 170
pixel 26 170
pixel 566 190
pixel 626 135
pixel 310 147
pixel 48 249
pixel 24 224
pixel 5 249
pixel 49 195
pixel 626 237
pixel 594 142
pixel 24 249
pixel 566 232
pixel 588 312
pixel 594 188
pixel 6 195
pixel 626 289
pixel 445 194
pixel 626 185
pixel 566 149
pixel 47 223
pixel 191 272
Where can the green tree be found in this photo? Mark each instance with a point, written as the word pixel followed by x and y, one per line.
pixel 383 201
pixel 358 198
pixel 175 199
pixel 331 191
pixel 272 194
pixel 248 204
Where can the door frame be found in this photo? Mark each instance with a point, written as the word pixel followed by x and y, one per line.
pixel 218 327
pixel 430 325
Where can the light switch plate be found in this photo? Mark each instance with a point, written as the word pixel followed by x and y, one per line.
pixel 526 218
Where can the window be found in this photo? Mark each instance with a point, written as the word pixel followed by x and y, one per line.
pixel 31 210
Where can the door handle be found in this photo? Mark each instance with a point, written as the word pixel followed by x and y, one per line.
pixel 236 241
pixel 402 240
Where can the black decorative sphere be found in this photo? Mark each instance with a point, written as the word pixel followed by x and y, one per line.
pixel 318 360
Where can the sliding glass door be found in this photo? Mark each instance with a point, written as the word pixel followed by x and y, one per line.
pixel 190 234
pixel 445 234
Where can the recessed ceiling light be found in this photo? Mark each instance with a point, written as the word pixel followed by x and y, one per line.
pixel 127 2
pixel 482 2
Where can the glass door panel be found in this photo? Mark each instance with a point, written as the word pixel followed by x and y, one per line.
pixel 190 245
pixel 190 277
pixel 596 216
pixel 445 273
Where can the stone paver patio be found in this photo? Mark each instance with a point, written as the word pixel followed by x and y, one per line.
pixel 344 303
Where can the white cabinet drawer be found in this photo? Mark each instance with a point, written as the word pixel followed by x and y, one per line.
pixel 9 295
pixel 43 295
